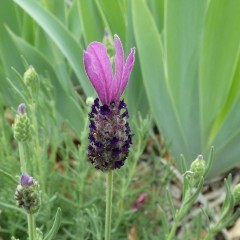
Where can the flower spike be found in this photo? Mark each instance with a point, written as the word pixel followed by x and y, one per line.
pixel 110 135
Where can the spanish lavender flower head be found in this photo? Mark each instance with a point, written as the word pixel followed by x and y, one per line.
pixel 110 135
pixel 26 180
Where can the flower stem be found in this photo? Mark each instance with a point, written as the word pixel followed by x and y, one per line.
pixel 31 227
pixel 31 222
pixel 22 157
pixel 173 230
pixel 108 216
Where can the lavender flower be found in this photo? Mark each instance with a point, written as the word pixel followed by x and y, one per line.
pixel 28 194
pixel 110 135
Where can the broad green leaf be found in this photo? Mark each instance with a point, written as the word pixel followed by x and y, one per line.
pixel 74 20
pixel 57 7
pixel 182 42
pixel 135 92
pixel 56 224
pixel 157 9
pixel 150 49
pixel 218 60
pixel 115 17
pixel 231 100
pixel 91 22
pixel 62 37
pixel 8 53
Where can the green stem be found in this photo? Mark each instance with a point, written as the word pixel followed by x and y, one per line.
pixel 31 222
pixel 31 227
pixel 179 215
pixel 173 230
pixel 22 157
pixel 108 216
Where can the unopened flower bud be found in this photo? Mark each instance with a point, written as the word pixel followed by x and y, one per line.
pixel 89 101
pixel 13 238
pixel 27 194
pixel 21 126
pixel 197 170
pixel 236 194
pixel 30 77
pixel 22 109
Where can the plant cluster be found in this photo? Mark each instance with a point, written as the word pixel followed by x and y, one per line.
pixel 182 98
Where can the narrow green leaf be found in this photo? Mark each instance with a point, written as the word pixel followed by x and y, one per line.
pixel 183 164
pixel 218 61
pixel 171 205
pixel 150 50
pixel 164 221
pixel 8 176
pixel 55 227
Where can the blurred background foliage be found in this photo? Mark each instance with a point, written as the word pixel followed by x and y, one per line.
pixel 186 75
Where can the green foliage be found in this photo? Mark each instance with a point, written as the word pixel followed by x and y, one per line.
pixel 190 74
pixel 186 75
pixel 187 71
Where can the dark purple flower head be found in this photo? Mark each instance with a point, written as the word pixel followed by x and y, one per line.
pixel 110 135
pixel 21 109
pixel 99 70
pixel 26 180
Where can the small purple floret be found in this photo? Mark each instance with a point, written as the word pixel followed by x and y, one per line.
pixel 104 110
pixel 125 114
pixel 98 145
pixel 116 152
pixel 22 108
pixel 119 164
pixel 92 125
pixel 113 141
pixel 26 180
pixel 96 102
pixel 90 138
pixel 121 105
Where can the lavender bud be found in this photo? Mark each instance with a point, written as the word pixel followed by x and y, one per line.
pixel 22 126
pixel 26 180
pixel 110 135
pixel 21 108
pixel 236 194
pixel 197 170
pixel 28 194
pixel 89 101
pixel 31 77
